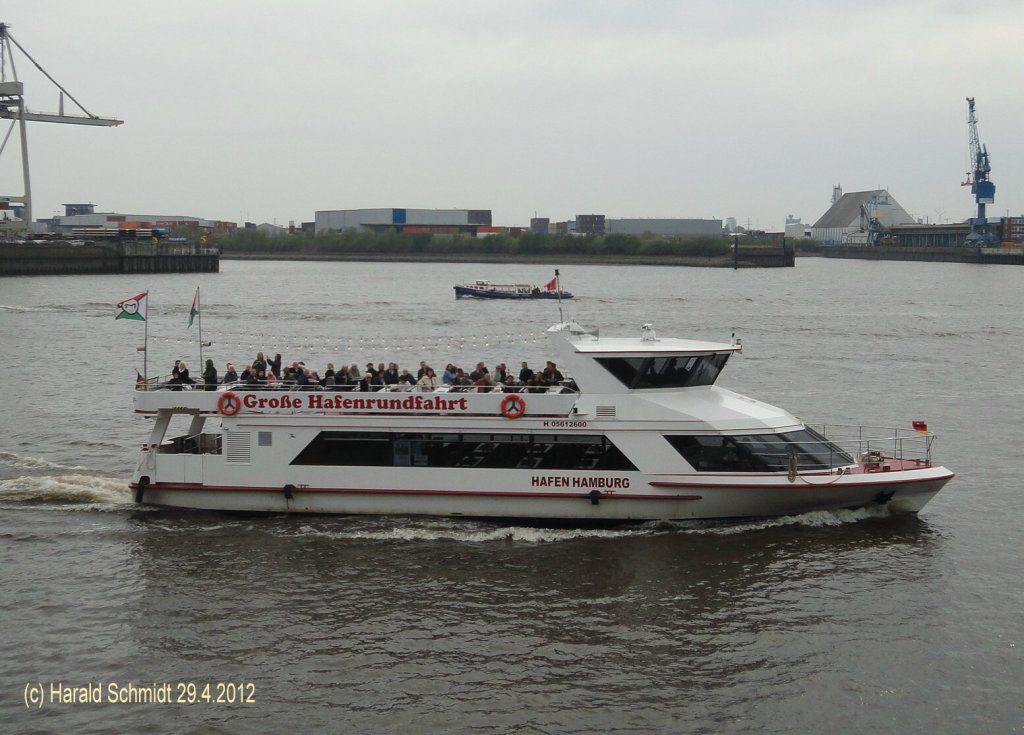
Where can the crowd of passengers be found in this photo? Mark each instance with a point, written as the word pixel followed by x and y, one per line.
pixel 268 374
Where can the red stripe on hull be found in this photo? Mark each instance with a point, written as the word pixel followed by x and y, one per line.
pixel 792 485
pixel 394 491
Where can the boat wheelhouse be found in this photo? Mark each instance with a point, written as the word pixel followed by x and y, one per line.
pixel 641 431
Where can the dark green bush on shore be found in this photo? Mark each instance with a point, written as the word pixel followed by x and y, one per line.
pixel 252 241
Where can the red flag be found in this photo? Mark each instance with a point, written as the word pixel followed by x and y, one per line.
pixel 552 284
pixel 920 426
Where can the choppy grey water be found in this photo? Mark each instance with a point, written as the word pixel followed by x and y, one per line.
pixel 848 622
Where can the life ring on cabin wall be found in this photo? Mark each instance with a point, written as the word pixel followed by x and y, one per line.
pixel 513 406
pixel 229 403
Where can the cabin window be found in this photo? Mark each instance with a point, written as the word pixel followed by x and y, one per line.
pixel 489 451
pixel 759 452
pixel 665 371
pixel 265 438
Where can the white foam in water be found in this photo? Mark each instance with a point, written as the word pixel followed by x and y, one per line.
pixel 471 533
pixel 468 531
pixel 66 489
pixel 36 463
pixel 814 519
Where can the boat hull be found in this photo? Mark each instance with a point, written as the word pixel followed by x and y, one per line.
pixel 464 292
pixel 684 501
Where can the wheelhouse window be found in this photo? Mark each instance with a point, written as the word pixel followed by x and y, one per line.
pixel 759 452
pixel 665 371
pixel 490 451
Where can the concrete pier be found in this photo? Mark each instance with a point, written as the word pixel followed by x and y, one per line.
pixel 49 258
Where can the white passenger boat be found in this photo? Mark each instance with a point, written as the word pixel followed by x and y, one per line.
pixel 641 432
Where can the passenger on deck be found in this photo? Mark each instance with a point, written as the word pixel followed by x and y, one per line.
pixel 329 374
pixel 275 365
pixel 551 374
pixel 422 370
pixel 391 374
pixel 428 382
pixel 354 376
pixel 448 377
pixel 210 376
pixel 536 383
pixel 406 378
pixel 260 363
pixel 462 380
pixel 525 374
pixel 230 376
pixel 246 374
pixel 183 376
pixel 500 373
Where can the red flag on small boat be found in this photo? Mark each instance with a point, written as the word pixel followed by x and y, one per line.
pixel 920 426
pixel 552 284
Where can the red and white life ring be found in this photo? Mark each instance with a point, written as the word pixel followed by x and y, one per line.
pixel 229 404
pixel 513 406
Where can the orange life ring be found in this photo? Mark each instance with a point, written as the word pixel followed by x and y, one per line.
pixel 228 403
pixel 513 406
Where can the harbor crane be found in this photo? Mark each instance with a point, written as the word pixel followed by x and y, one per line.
pixel 12 107
pixel 982 187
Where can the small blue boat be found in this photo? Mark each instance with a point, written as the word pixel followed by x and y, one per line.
pixel 488 290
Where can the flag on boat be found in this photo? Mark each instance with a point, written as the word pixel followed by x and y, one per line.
pixel 552 284
pixel 195 308
pixel 920 426
pixel 133 308
pixel 138 377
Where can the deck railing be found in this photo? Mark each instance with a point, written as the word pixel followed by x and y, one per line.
pixel 155 384
pixel 874 444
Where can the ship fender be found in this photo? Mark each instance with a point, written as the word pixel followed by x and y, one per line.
pixel 140 488
pixel 595 497
pixel 289 492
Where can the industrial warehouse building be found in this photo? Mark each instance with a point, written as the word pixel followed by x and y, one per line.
pixel 438 221
pixel 78 217
pixel 848 220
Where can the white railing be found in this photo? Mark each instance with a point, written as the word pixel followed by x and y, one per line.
pixel 874 443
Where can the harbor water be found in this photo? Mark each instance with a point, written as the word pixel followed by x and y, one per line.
pixel 846 622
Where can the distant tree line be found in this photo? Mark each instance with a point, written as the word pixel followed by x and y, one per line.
pixel 527 243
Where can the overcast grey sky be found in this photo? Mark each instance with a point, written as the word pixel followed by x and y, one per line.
pixel 707 108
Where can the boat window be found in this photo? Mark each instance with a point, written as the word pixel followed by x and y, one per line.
pixel 665 371
pixel 759 452
pixel 493 451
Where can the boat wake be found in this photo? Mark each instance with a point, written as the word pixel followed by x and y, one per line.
pixel 812 519
pixel 478 532
pixel 458 531
pixel 70 491
pixel 18 462
pixel 38 482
